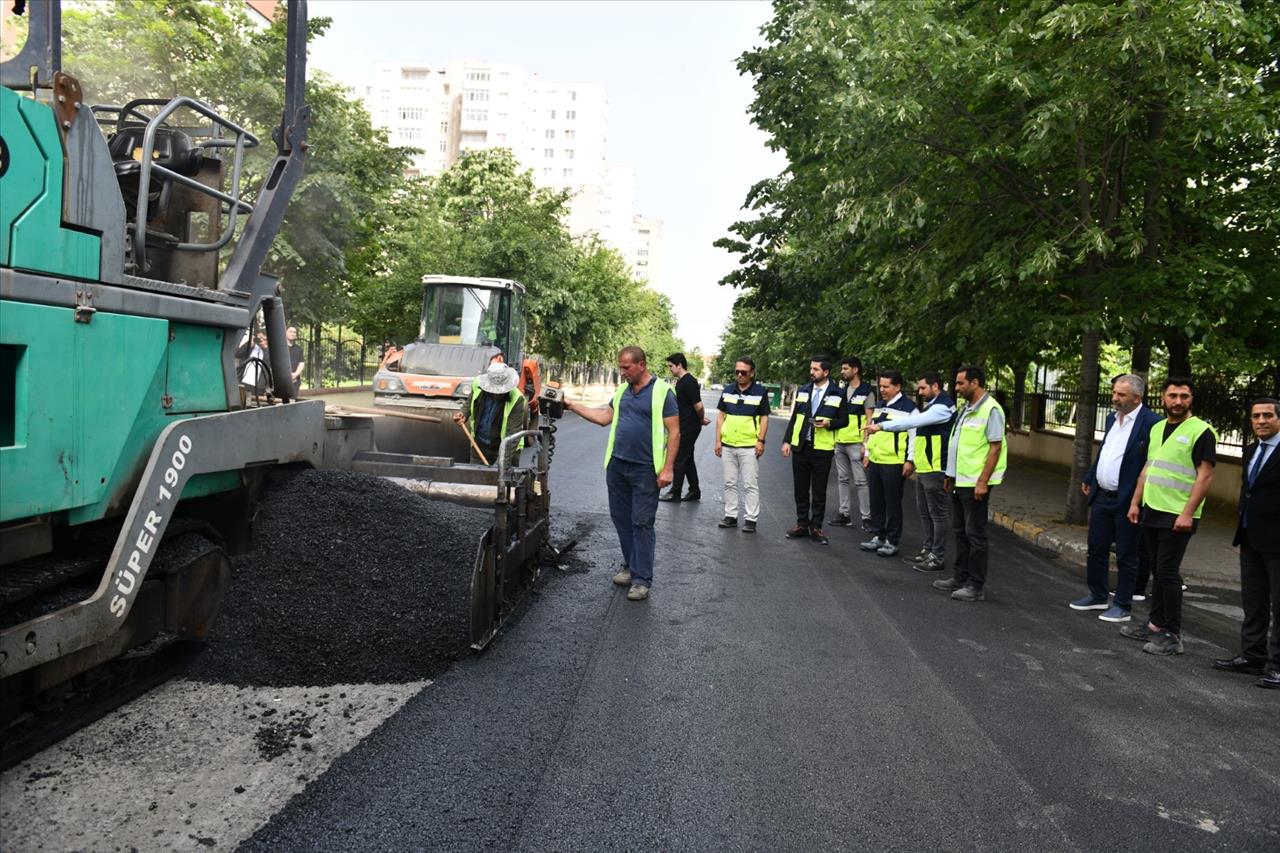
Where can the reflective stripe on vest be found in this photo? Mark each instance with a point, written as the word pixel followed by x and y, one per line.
pixel 931 441
pixel 657 402
pixel 512 397
pixel 852 434
pixel 823 439
pixel 741 426
pixel 972 447
pixel 1171 473
pixel 889 448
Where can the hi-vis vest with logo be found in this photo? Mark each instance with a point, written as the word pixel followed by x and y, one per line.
pixel 1171 472
pixel 658 432
pixel 889 448
pixel 930 454
pixel 741 427
pixel 823 439
pixel 513 397
pixel 972 446
pixel 852 434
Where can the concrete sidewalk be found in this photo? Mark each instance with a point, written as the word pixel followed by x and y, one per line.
pixel 1032 500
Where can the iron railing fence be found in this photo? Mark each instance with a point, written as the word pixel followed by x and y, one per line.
pixel 1223 403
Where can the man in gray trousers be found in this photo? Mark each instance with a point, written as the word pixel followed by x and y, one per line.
pixel 933 429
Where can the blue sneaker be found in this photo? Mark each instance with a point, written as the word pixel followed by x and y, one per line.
pixel 1088 603
pixel 1115 613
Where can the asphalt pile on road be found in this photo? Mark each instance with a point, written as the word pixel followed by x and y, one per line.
pixel 352 580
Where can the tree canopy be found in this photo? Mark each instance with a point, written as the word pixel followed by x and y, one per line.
pixel 1014 182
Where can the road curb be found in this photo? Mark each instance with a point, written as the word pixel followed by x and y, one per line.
pixel 1043 537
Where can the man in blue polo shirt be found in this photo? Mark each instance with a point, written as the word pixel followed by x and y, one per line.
pixel 639 461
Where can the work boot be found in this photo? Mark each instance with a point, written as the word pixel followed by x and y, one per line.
pixel 922 556
pixel 623 578
pixel 1164 643
pixel 693 495
pixel 748 526
pixel 638 592
pixel 798 532
pixel 875 543
pixel 947 584
pixel 728 521
pixel 1141 632
pixel 669 497
pixel 816 534
pixel 968 592
pixel 933 564
pixel 841 520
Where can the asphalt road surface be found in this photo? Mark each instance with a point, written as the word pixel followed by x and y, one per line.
pixel 780 695
pixel 769 695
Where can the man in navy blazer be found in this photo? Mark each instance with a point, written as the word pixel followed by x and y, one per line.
pixel 1110 484
pixel 1258 535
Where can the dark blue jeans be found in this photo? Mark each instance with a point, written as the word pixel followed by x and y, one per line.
pixel 633 504
pixel 1108 523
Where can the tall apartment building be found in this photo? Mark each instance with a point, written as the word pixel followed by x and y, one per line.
pixel 645 250
pixel 557 129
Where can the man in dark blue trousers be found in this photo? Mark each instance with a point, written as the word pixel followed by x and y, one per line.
pixel 1110 484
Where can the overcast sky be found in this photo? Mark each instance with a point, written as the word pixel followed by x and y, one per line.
pixel 677 106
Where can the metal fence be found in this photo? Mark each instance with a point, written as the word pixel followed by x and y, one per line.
pixel 337 359
pixel 1224 404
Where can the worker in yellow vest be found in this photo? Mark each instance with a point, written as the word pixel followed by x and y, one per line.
pixel 818 413
pixel 851 474
pixel 639 460
pixel 977 455
pixel 1167 503
pixel 496 410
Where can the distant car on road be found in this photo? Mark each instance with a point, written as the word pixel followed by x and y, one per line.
pixel 717 387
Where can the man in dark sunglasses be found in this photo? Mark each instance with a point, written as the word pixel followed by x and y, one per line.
pixel 740 432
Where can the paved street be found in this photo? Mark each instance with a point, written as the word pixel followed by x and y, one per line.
pixel 778 695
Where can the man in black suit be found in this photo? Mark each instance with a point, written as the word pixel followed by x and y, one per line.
pixel 1258 535
pixel 1109 485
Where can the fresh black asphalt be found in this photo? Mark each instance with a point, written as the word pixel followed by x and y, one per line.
pixel 780 695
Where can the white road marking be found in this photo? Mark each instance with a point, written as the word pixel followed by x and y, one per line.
pixel 188 766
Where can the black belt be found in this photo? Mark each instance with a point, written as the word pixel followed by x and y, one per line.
pixel 1108 492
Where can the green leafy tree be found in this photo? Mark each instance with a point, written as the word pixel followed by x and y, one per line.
pixel 985 182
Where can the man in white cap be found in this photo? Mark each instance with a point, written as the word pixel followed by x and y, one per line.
pixel 497 410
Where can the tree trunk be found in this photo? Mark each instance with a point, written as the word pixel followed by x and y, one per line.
pixel 1019 394
pixel 1141 362
pixel 1086 415
pixel 1179 352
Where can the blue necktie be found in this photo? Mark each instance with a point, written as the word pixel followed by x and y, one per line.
pixel 1256 469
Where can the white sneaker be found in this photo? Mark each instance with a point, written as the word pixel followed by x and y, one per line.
pixel 638 592
pixel 1139 598
pixel 623 578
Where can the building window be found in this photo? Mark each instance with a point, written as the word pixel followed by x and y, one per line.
pixel 550 134
pixel 568 153
pixel 644 253
pixel 410 134
pixel 502 137
pixel 476 115
pixel 644 231
pixel 546 173
pixel 444 146
pixel 551 114
pixel 412 113
pixel 444 127
pixel 415 73
pixel 568 173
pixel 570 114
pixel 549 153
pixel 478 76
pixel 570 134
pixel 477 95
pixel 642 263
pixel 573 96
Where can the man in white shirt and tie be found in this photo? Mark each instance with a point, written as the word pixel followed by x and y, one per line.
pixel 1110 484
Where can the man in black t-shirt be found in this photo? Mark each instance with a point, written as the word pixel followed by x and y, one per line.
pixel 1167 503
pixel 692 420
pixel 296 364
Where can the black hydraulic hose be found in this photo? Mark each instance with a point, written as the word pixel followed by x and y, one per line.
pixel 278 348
